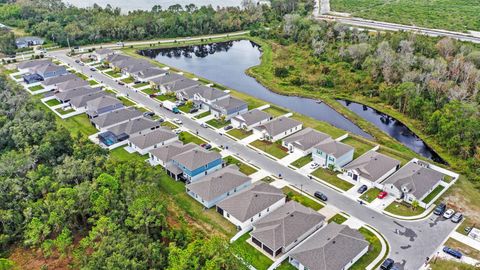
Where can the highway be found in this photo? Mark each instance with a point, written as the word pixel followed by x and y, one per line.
pixel 410 241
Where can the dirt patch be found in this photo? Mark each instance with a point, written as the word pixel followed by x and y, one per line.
pixel 463 204
pixel 33 259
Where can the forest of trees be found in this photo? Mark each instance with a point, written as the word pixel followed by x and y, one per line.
pixel 65 196
pixel 436 81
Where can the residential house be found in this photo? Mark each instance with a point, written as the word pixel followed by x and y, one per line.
pixel 145 74
pixel 219 185
pixel 65 97
pixel 332 153
pixel 32 78
pixel 117 60
pixel 24 42
pixel 102 105
pixel 49 70
pixel 278 129
pixel 151 140
pixel 71 84
pixel 228 107
pixel 197 163
pixel 52 83
pixel 27 67
pixel 122 132
pixel 134 66
pixel 101 54
pixel 335 247
pixel 206 95
pixel 371 168
pixel 177 85
pixel 250 119
pixel 160 82
pixel 163 155
pixel 413 182
pixel 116 117
pixel 80 103
pixel 304 141
pixel 251 204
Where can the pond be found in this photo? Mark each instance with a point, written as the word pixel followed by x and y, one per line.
pixel 226 63
pixel 394 128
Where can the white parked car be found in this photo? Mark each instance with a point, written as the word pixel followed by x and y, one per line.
pixel 177 121
pixel 449 213
pixel 314 165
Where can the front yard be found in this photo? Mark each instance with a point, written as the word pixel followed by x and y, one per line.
pixel 274 149
pixel 187 137
pixel 370 195
pixel 218 123
pixel 202 115
pixel 186 107
pixel 114 74
pixel 166 97
pixel 331 178
pixel 92 82
pixel 36 88
pixel 126 102
pixel 239 133
pixel 140 85
pixel 128 80
pixel 304 200
pixel 337 218
pixel 169 125
pixel 403 209
pixel 149 91
pixel 244 168
pixel 302 161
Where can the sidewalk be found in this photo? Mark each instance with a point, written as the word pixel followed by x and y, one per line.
pixel 466 240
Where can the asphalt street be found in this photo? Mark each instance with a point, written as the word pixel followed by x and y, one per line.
pixel 411 242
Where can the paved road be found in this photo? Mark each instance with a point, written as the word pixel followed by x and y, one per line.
pixel 411 242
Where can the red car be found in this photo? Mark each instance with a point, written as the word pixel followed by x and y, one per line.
pixel 382 195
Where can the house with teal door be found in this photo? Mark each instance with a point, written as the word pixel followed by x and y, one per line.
pixel 197 163
pixel 332 153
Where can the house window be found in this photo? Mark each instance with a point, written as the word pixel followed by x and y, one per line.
pixel 268 209
pixel 228 215
pixel 228 193
pixel 251 220
pixel 259 214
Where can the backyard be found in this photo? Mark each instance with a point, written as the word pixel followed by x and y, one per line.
pixel 304 200
pixel 403 209
pixel 64 111
pixel 244 168
pixel 53 102
pixel 275 111
pixel 331 178
pixel 239 133
pixel 275 149
pixel 360 147
pixel 250 254
pixel 36 88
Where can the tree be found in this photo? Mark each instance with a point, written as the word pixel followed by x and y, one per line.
pixel 415 204
pixel 7 42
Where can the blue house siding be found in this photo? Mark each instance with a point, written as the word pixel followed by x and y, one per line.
pixel 58 72
pixel 195 174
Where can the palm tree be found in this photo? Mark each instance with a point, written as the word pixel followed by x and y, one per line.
pixel 415 205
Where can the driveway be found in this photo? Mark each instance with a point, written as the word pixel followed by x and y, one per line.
pixel 411 241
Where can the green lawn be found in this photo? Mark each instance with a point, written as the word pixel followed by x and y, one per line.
pixel 286 266
pixel 331 178
pixel 276 111
pixel 81 75
pixel 63 112
pixel 186 108
pixel 370 195
pixel 302 161
pixel 53 102
pixel 127 102
pixel 244 168
pixel 36 88
pixel 433 194
pixel 404 159
pixel 239 133
pixel 108 90
pixel 465 223
pixel 373 250
pixel 78 124
pixel 139 85
pixel 268 179
pixel 187 137
pixel 403 209
pixel 202 115
pixel 101 68
pixel 360 147
pixel 121 154
pixel 304 200
pixel 92 82
pixel 338 218
pixel 445 264
pixel 169 125
pixel 217 123
pixel 19 76
pixel 128 80
pixel 250 254
pixel 166 97
pixel 149 91
pixel 114 74
pixel 274 149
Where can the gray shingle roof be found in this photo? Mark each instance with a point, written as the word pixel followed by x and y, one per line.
pixel 331 248
pixel 150 139
pixel 334 148
pixel 77 92
pixel 81 101
pixel 306 138
pixel 166 153
pixel 417 179
pixel 206 92
pixel 117 116
pixel 134 126
pixel 117 58
pixel 285 225
pixel 138 65
pixel 59 79
pixel 71 84
pixel 229 103
pixel 278 126
pixel 150 72
pixel 104 51
pixel 34 63
pixel 372 165
pixel 251 201
pixel 196 158
pixel 253 117
pixel 167 78
pixel 102 102
pixel 218 183
pixel 47 68
pixel 179 85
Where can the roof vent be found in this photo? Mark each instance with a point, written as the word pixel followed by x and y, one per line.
pixel 333 242
pixel 291 215
pixel 256 195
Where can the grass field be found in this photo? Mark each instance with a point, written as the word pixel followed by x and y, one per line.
pixel 434 193
pixel 331 178
pixel 239 133
pixel 302 161
pixel 217 123
pixel 458 15
pixel 127 102
pixel 370 195
pixel 442 264
pixel 403 209
pixel 338 218
pixel 274 149
pixel 52 102
pixel 36 88
pixel 373 250
pixel 187 137
pixel 202 115
pixel 360 147
pixel 244 168
pixel 114 74
pixel 304 200
pixel 250 254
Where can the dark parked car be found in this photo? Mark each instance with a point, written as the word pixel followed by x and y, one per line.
pixel 320 195
pixel 193 110
pixel 387 264
pixel 440 209
pixel 457 217
pixel 148 114
pixel 455 253
pixel 208 146
pixel 77 61
pixel 93 69
pixel 362 189
pixel 121 83
pixel 228 127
